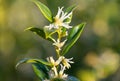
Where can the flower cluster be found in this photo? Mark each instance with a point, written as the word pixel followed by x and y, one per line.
pixel 63 63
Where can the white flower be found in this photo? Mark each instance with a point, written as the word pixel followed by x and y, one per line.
pixel 51 60
pixel 61 72
pixel 55 71
pixel 59 60
pixel 59 44
pixel 59 20
pixel 66 62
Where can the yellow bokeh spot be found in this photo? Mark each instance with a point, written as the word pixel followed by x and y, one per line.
pixel 2 15
pixel 86 75
pixel 100 27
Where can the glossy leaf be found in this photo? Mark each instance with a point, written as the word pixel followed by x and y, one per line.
pixel 27 60
pixel 41 71
pixel 73 37
pixel 44 9
pixel 39 32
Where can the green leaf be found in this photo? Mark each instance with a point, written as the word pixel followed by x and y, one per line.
pixel 41 71
pixel 44 9
pixel 70 9
pixel 71 78
pixel 27 60
pixel 39 32
pixel 73 37
pixel 39 67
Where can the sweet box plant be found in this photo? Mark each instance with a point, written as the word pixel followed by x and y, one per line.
pixel 62 36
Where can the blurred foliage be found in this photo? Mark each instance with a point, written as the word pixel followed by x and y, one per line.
pixel 96 54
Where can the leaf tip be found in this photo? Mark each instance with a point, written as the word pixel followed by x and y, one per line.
pixel 21 61
pixel 84 23
pixel 29 28
pixel 16 66
pixel 44 9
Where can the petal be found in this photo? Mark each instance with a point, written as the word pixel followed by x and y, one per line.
pixel 66 25
pixel 59 60
pixel 51 60
pixel 55 71
pixel 63 16
pixel 68 15
pixel 61 73
pixel 59 12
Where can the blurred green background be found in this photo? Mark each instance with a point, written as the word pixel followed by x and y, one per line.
pixel 96 54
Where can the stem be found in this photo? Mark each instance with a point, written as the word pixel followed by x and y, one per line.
pixel 58 53
pixel 59 34
pixel 59 38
